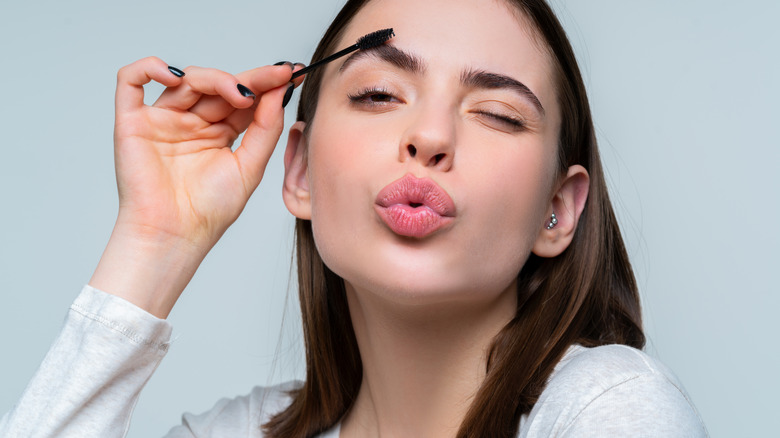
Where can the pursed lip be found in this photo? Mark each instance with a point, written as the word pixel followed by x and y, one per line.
pixel 414 207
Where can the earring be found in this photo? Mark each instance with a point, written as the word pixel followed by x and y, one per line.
pixel 553 222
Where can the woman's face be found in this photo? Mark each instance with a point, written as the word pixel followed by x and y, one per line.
pixel 459 106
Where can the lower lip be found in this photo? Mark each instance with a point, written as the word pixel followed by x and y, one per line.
pixel 409 221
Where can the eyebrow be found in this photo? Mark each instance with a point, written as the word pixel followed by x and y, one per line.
pixel 470 78
pixel 390 54
pixel 487 80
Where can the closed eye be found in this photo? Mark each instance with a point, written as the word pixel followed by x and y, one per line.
pixel 512 123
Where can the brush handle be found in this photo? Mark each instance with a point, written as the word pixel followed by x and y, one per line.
pixel 330 58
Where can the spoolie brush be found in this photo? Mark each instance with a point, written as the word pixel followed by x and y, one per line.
pixel 365 42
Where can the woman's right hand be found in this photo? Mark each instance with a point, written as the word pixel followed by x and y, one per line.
pixel 180 184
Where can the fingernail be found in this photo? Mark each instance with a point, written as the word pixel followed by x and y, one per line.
pixel 176 71
pixel 300 63
pixel 285 63
pixel 288 94
pixel 246 92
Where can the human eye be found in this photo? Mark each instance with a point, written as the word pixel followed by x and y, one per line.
pixel 503 121
pixel 373 97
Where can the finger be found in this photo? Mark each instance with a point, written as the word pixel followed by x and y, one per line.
pixel 261 137
pixel 201 81
pixel 298 66
pixel 263 79
pixel 213 109
pixel 291 86
pixel 240 120
pixel 131 78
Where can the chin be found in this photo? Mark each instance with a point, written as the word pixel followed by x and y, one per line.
pixel 418 280
pixel 444 268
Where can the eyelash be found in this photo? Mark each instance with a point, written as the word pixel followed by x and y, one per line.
pixel 363 97
pixel 516 124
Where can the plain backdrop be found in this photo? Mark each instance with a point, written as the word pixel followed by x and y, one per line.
pixel 685 98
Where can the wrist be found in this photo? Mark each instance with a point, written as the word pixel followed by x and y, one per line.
pixel 147 268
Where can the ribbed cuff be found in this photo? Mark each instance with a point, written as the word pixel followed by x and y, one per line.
pixel 125 318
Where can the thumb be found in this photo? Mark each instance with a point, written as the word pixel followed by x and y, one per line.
pixel 261 137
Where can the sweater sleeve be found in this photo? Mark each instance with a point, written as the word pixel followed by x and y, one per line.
pixel 89 381
pixel 648 405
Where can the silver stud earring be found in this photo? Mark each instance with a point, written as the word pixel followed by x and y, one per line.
pixel 553 222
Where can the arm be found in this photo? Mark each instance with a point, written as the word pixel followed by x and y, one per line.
pixel 180 187
pixel 89 382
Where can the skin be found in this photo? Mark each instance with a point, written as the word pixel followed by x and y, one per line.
pixel 425 310
pixel 180 184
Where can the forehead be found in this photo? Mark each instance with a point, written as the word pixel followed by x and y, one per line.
pixel 489 32
pixel 453 35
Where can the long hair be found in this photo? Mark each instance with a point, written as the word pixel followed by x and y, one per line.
pixel 587 295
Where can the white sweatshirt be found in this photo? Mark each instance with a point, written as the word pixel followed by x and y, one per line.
pixel 89 382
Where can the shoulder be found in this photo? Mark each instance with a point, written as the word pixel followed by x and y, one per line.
pixel 238 416
pixel 607 366
pixel 613 390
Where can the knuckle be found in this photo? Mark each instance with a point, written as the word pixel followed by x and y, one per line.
pixel 144 63
pixel 150 62
pixel 123 72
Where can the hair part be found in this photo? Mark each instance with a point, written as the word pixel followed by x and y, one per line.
pixel 587 295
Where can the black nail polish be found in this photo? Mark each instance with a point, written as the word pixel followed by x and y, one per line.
pixel 288 94
pixel 175 71
pixel 285 63
pixel 246 92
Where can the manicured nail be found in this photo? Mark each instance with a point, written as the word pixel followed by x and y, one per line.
pixel 285 63
pixel 288 94
pixel 176 71
pixel 246 92
pixel 299 66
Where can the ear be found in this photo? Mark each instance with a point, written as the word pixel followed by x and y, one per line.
pixel 295 192
pixel 567 203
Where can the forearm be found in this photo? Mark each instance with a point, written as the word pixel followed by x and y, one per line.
pixel 147 269
pixel 90 380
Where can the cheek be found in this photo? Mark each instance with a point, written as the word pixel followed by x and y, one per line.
pixel 349 162
pixel 506 203
pixel 341 199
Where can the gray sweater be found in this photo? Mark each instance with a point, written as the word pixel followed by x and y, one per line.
pixel 89 382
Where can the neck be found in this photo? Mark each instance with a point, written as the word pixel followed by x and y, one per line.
pixel 422 365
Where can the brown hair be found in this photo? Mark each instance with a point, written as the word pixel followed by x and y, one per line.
pixel 586 295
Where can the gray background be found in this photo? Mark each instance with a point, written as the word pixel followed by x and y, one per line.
pixel 685 97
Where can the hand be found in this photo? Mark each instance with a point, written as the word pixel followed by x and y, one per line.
pixel 176 173
pixel 180 184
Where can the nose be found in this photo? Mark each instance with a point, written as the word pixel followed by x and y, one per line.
pixel 429 138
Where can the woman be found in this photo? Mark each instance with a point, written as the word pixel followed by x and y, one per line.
pixel 461 272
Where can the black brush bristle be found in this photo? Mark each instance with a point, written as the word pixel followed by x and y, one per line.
pixel 374 39
pixel 369 41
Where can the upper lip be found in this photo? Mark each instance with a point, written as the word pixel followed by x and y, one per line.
pixel 410 190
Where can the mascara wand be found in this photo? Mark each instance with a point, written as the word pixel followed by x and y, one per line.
pixel 369 41
pixel 365 42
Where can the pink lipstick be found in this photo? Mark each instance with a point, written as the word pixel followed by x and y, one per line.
pixel 414 207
